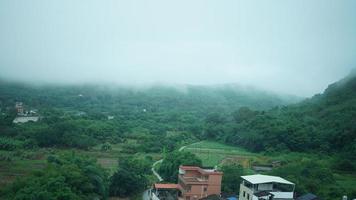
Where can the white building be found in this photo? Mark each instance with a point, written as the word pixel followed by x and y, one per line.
pixel 263 187
pixel 25 119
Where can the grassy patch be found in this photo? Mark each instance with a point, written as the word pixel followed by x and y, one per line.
pixel 346 181
pixel 215 153
pixel 23 163
pixel 215 145
pixel 9 171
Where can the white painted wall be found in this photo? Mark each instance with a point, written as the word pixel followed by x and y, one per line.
pixel 154 197
pixel 247 191
pixel 283 195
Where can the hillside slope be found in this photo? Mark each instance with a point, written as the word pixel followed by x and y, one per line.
pixel 84 116
pixel 116 99
pixel 323 123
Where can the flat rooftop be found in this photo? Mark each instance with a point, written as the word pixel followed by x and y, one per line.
pixel 25 119
pixel 259 179
pixel 201 170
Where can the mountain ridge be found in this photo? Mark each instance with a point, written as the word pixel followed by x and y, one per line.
pixel 325 123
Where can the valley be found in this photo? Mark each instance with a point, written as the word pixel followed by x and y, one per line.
pixel 121 132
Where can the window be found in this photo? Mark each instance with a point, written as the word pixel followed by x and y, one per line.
pixel 247 184
pixel 244 194
pixel 205 189
pixel 248 196
pixel 187 198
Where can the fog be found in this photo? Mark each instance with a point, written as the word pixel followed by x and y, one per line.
pixel 293 47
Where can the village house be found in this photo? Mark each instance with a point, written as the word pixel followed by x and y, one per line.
pixel 263 187
pixel 196 183
pixel 165 191
pixel 193 183
pixel 24 116
pixel 19 108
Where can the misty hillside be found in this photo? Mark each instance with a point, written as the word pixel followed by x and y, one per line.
pixel 312 139
pixel 171 100
pixel 153 112
pixel 324 123
pixel 117 100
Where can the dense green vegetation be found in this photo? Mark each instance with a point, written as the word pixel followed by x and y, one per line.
pixel 172 160
pixel 314 140
pixel 311 176
pixel 311 172
pixel 130 177
pixel 324 123
pixel 161 117
pixel 232 175
pixel 110 122
pixel 65 177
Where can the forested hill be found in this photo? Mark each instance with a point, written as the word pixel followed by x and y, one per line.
pixel 84 116
pixel 323 123
pixel 118 100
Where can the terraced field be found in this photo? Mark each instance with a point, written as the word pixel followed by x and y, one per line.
pixel 9 171
pixel 19 165
pixel 214 154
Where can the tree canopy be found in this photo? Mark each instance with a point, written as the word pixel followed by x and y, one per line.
pixel 68 176
pixel 172 160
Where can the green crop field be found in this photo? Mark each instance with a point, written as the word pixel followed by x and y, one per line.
pixel 347 181
pixel 215 153
pixel 20 166
pixel 215 145
pixel 9 171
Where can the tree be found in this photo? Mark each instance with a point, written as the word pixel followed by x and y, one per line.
pixel 106 147
pixel 231 178
pixel 130 177
pixel 125 182
pixel 308 176
pixel 243 114
pixel 214 126
pixel 67 176
pixel 171 162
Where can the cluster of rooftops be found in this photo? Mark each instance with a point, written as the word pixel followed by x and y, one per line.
pixel 197 183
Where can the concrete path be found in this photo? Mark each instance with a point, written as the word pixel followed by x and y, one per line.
pixel 183 147
pixel 154 171
pixel 160 161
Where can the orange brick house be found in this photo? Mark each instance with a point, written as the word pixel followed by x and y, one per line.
pixel 195 183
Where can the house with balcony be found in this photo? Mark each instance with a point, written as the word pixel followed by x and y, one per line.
pixel 263 187
pixel 196 183
pixel 164 191
pixel 193 183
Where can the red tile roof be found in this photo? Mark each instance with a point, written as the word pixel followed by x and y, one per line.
pixel 165 186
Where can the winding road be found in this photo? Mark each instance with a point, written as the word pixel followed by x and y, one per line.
pixel 154 171
pixel 160 161
pixel 146 193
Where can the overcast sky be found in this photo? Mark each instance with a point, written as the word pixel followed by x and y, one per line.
pixel 296 47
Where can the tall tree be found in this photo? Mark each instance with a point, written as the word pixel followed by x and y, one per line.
pixel 172 160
